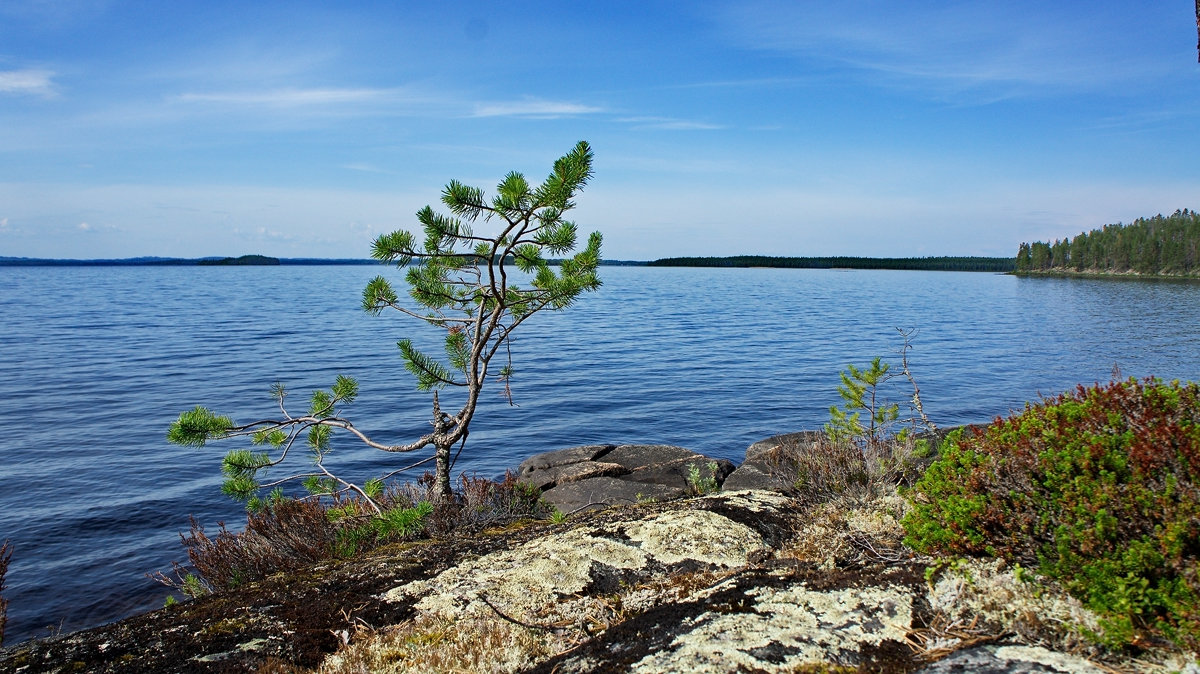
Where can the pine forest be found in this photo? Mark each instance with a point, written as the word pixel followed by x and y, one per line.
pixel 1164 245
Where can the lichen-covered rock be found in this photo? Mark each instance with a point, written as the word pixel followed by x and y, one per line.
pixel 777 620
pixel 1011 660
pixel 748 581
pixel 540 580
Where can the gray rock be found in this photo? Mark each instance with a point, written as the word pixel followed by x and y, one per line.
pixel 750 476
pixel 639 456
pixel 572 472
pixel 1010 660
pixel 798 438
pixel 562 456
pixel 599 492
pixel 675 474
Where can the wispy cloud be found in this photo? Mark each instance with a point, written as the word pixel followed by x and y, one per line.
pixel 991 50
pixel 1144 120
pixel 668 124
pixel 365 168
pixel 90 228
pixel 288 98
pixel 534 108
pixel 31 81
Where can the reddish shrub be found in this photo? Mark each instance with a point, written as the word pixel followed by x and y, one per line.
pixel 1099 488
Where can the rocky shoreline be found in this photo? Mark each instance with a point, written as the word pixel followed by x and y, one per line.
pixel 738 577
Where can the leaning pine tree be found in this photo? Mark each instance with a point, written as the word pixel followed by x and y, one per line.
pixel 466 287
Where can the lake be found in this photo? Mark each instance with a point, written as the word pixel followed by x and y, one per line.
pixel 96 362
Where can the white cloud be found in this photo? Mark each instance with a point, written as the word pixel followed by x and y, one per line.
pixel 669 124
pixel 83 226
pixel 30 81
pixel 288 97
pixel 533 108
pixel 4 225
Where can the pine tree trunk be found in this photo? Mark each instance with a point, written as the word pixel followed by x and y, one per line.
pixel 443 470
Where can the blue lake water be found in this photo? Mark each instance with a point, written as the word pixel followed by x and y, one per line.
pixel 95 363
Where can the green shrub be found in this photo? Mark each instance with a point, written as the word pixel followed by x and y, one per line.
pixel 699 484
pixel 1098 488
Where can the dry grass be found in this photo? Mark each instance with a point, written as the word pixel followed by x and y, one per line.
pixel 470 645
pixel 824 470
pixel 851 532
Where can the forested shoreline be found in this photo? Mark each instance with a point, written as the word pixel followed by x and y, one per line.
pixel 943 263
pixel 1163 245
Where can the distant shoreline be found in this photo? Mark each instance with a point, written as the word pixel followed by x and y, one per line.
pixel 174 262
pixel 1100 274
pixel 244 260
pixel 943 263
pixel 940 263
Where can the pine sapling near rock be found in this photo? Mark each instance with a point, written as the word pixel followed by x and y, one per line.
pixel 465 285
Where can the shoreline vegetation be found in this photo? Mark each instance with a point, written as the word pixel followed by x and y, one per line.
pixel 1157 247
pixel 917 522
pixel 940 263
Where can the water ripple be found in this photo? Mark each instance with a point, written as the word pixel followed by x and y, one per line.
pixel 96 362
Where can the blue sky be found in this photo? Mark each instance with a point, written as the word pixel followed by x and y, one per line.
pixel 748 127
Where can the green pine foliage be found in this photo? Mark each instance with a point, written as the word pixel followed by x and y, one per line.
pixel 1161 245
pixel 1098 488
pixel 197 426
pixel 860 392
pixel 465 284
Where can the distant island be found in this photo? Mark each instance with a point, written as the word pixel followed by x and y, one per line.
pixel 245 260
pixel 992 264
pixel 1167 246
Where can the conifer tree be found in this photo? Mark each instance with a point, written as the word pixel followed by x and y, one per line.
pixel 466 286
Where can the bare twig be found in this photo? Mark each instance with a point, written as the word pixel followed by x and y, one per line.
pixel 907 336
pixel 519 623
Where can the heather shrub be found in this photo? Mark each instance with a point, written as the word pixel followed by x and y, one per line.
pixel 284 534
pixel 1098 488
